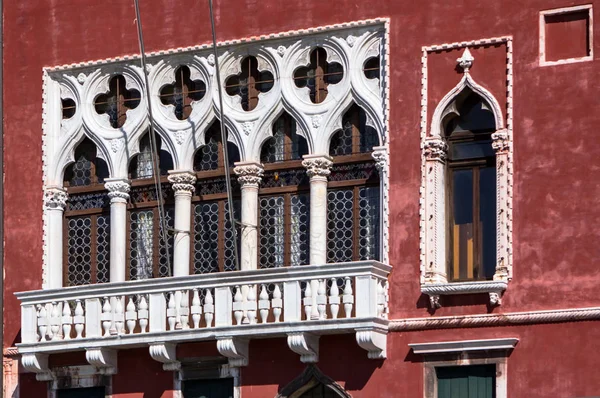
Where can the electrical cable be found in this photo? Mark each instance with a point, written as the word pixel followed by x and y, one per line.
pixel 154 149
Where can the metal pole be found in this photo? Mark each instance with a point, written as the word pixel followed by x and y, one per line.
pixel 2 192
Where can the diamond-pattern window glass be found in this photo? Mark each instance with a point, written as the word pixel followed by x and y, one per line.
pixel 103 249
pixel 272 231
pixel 79 251
pixel 340 225
pixel 206 237
pixel 299 229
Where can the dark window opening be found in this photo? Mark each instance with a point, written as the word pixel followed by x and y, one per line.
pixel 210 155
pixel 210 388
pixel 471 189
pixel 68 108
pixel 141 166
pixel 117 101
pixel 356 135
pixel 371 68
pixel 286 144
pixel 87 169
pixel 183 93
pixel 318 75
pixel 249 83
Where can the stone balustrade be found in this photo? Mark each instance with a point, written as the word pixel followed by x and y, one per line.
pixel 230 307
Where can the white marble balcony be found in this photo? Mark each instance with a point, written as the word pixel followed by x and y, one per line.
pixel 230 308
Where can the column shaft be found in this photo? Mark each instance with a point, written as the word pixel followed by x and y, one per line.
pixel 249 177
pixel 183 186
pixel 118 192
pixel 55 202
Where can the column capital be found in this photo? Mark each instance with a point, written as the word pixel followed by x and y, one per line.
pixel 317 165
pixel 55 198
pixel 118 188
pixel 380 154
pixel 500 141
pixel 435 149
pixel 183 181
pixel 249 173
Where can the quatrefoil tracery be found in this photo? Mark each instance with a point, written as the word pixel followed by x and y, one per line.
pixel 117 101
pixel 318 75
pixel 249 83
pixel 183 93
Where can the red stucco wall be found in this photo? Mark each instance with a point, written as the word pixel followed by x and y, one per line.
pixel 556 156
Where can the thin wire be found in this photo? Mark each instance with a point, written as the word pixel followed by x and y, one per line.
pixel 224 137
pixel 155 157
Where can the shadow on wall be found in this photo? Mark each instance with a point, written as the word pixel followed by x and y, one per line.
pixel 459 300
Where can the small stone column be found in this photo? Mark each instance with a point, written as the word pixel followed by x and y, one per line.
pixel 55 201
pixel 501 144
pixel 318 169
pixel 118 192
pixel 183 186
pixel 249 177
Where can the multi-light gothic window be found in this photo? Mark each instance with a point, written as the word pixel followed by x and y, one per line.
pixel 353 198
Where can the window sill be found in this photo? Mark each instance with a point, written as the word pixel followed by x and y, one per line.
pixel 493 288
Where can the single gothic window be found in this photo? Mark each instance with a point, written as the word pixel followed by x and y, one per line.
pixel 318 75
pixel 471 176
pixel 353 194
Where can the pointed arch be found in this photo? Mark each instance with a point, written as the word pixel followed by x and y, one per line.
pixel 466 82
pixel 308 380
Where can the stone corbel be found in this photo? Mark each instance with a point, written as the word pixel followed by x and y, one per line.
pixel 105 360
pixel 38 364
pixel 374 341
pixel 493 288
pixel 235 349
pixel 167 354
pixel 306 345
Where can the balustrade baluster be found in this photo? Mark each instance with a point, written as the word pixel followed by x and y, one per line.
pixel 54 322
pixel 251 304
pixel 42 321
pixel 118 317
pixel 106 317
pixel 238 306
pixel 143 314
pixel 308 300
pixel 277 303
pixel 67 321
pixel 196 309
pixel 184 309
pixel 131 315
pixel 79 319
pixel 322 300
pixel 263 304
pixel 171 312
pixel 348 297
pixel 209 308
pixel 334 298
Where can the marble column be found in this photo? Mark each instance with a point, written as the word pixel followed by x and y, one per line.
pixel 55 201
pixel 183 187
pixel 318 169
pixel 118 192
pixel 249 175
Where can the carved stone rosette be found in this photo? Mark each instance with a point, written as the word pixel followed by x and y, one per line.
pixel 317 166
pixel 249 174
pixel 55 198
pixel 118 189
pixel 435 149
pixel 183 181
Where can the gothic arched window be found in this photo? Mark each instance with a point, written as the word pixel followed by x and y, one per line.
pixel 312 383
pixel 212 232
pixel 146 244
pixel 471 194
pixel 353 197
pixel 87 219
pixel 284 198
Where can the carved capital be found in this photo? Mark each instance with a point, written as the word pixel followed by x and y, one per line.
pixel 249 174
pixel 118 189
pixel 183 181
pixel 55 198
pixel 435 149
pixel 495 298
pixel 500 141
pixel 380 154
pixel 374 341
pixel 167 354
pixel 466 60
pixel 38 364
pixel 317 165
pixel 235 349
pixel 306 345
pixel 103 359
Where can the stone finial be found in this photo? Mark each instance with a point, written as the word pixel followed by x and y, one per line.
pixel 249 173
pixel 183 181
pixel 466 60
pixel 317 165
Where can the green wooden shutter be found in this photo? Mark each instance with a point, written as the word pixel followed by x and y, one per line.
pixel 466 381
pixel 215 388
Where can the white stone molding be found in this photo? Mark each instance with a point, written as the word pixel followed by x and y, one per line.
pixel 38 364
pixel 236 349
pixel 165 353
pixel 464 346
pixel 374 341
pixel 118 192
pixel 306 345
pixel 183 187
pixel 105 360
pixel 382 162
pixel 432 193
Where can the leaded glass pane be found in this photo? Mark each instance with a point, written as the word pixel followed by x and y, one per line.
pixel 368 205
pixel 141 243
pixel 163 262
pixel 144 160
pixel 272 230
pixel 299 225
pixel 79 249
pixel 272 179
pixel 340 225
pixel 206 237
pixel 354 171
pixel 229 264
pixel 208 156
pixel 341 143
pixel 103 249
pixel 87 201
pixel 81 171
pixel 274 148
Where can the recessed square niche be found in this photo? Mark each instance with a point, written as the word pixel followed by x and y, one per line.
pixel 566 35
